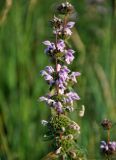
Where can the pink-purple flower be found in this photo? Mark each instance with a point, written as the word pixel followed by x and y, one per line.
pixel 69 57
pixel 58 106
pixel 70 24
pixel 47 99
pixel 47 76
pixel 53 48
pixel 49 69
pixel 61 87
pixel 74 75
pixel 61 45
pixel 50 47
pixel 70 97
pixel 108 148
pixel 66 30
pixel 73 96
pixel 63 74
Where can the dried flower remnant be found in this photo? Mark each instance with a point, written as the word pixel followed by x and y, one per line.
pixel 61 96
pixel 106 124
pixel 57 23
pixel 65 8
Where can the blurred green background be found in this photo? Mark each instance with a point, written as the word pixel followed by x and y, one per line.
pixel 23 27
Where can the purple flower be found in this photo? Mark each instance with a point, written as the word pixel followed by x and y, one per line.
pixel 65 30
pixel 69 57
pixel 50 47
pixel 48 100
pixel 60 85
pixel 58 106
pixel 63 74
pixel 49 69
pixel 112 146
pixel 70 24
pixel 61 88
pixel 60 45
pixel 65 68
pixel 104 145
pixel 73 96
pixel 70 97
pixel 108 148
pixel 74 75
pixel 62 79
pixel 46 76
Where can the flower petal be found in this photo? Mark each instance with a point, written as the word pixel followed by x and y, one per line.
pixel 47 43
pixel 70 24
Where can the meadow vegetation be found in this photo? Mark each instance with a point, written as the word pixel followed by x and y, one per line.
pixel 23 28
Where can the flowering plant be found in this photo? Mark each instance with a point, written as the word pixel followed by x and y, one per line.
pixel 61 97
pixel 108 148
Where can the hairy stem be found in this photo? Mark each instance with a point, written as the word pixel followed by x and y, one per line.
pixel 65 21
pixel 56 61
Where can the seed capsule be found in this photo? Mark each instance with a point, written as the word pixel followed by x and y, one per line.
pixel 65 8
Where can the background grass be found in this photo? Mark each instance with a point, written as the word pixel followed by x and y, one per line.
pixel 23 27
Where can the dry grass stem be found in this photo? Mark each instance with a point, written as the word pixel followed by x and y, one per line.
pixel 5 11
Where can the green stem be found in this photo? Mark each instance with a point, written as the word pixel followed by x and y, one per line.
pixel 108 135
pixel 64 23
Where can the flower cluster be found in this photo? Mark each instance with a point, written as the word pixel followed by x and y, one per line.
pixel 60 28
pixel 59 51
pixel 65 8
pixel 108 148
pixel 64 78
pixel 60 78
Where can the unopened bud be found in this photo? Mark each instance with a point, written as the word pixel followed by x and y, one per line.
pixel 106 124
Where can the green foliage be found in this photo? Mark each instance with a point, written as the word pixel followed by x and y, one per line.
pixel 57 123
